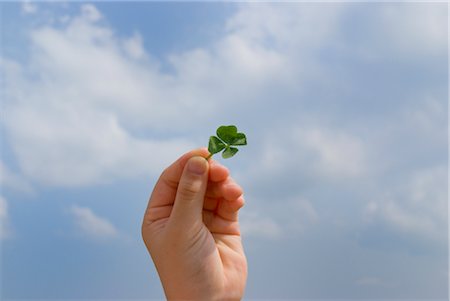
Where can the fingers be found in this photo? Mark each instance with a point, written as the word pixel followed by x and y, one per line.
pixel 166 187
pixel 163 195
pixel 190 195
pixel 217 172
pixel 224 199
pixel 219 225
pixel 228 210
pixel 224 220
pixel 227 189
pixel 220 185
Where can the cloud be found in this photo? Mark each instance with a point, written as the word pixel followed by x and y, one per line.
pixel 406 29
pixel 64 118
pixel 13 181
pixel 416 209
pixel 29 7
pixel 90 13
pixel 286 27
pixel 91 225
pixel 255 225
pixel 337 153
pixel 343 105
pixel 315 151
pixel 91 106
pixel 134 47
pixel 271 221
pixel 88 105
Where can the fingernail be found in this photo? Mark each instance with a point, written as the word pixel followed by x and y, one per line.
pixel 197 165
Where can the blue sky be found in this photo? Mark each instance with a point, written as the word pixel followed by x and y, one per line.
pixel 345 109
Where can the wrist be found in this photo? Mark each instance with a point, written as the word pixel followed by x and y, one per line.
pixel 203 296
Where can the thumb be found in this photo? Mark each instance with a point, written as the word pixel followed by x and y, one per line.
pixel 188 205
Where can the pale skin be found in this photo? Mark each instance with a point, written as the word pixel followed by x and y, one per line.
pixel 191 230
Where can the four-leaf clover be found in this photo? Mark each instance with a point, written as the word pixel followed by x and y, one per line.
pixel 227 137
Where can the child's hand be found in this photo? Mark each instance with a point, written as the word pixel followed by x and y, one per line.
pixel 192 233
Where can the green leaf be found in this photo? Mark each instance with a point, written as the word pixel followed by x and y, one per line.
pixel 229 152
pixel 227 133
pixel 228 137
pixel 239 139
pixel 215 145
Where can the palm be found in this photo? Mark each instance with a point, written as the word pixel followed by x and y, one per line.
pixel 219 241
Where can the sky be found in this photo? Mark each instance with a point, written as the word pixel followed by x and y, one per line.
pixel 345 107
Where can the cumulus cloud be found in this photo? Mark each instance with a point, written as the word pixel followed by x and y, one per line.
pixel 64 120
pixel 266 24
pixel 28 7
pixel 324 123
pixel 92 225
pixel 78 108
pixel 317 151
pixel 417 208
pixel 91 106
pixel 260 226
pixel 134 47
pixel 408 30
pixel 90 13
pixel 278 218
pixel 338 153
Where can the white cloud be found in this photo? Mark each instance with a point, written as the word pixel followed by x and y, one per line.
pixel 90 13
pixel 418 208
pixel 255 225
pixel 289 217
pixel 423 24
pixel 73 147
pixel 29 7
pixel 286 26
pixel 316 151
pixel 338 153
pixel 91 225
pixel 134 47
pixel 410 31
pixel 89 104
pixel 71 110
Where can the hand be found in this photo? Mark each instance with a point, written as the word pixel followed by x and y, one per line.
pixel 191 231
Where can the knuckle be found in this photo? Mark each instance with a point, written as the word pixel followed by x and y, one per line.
pixel 189 189
pixel 241 203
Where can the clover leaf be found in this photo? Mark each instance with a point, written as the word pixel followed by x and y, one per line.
pixel 227 137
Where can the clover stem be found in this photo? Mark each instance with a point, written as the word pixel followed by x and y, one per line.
pixel 209 157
